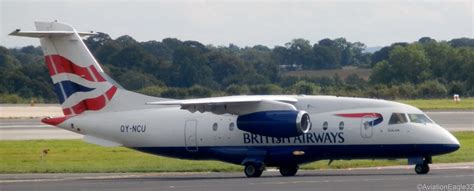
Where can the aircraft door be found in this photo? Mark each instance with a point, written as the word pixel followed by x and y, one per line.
pixel 190 135
pixel 366 126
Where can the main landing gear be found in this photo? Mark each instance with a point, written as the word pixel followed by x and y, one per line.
pixel 253 170
pixel 423 168
pixel 289 170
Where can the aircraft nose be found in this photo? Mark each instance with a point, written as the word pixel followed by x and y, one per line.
pixel 452 142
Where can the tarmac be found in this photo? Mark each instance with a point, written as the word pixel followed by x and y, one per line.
pixel 448 176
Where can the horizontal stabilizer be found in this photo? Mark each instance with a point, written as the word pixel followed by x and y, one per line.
pixel 42 34
pixel 100 142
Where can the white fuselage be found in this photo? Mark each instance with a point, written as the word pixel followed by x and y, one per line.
pixel 171 127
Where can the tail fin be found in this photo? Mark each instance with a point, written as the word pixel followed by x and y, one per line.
pixel 79 81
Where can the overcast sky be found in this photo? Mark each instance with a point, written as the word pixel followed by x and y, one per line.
pixel 247 23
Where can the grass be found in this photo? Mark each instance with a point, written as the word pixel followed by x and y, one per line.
pixel 441 104
pixel 75 156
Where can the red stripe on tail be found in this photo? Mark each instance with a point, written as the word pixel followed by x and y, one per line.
pixel 111 92
pixel 64 65
pixel 94 104
pixel 51 71
pixel 67 111
pixel 96 74
pixel 55 121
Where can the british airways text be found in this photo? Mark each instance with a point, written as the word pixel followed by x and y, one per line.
pixel 309 138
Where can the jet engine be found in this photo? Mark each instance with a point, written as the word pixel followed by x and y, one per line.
pixel 284 123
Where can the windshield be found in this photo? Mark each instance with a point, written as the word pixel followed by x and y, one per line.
pixel 397 118
pixel 419 118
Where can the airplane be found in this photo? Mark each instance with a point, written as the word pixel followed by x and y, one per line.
pixel 255 131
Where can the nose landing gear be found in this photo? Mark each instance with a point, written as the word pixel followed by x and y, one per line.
pixel 423 168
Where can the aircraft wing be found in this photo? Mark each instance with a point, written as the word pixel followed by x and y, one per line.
pixel 236 105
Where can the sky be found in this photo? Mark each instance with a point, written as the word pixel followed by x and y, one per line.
pixel 247 23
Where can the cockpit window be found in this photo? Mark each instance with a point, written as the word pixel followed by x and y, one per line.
pixel 397 118
pixel 419 118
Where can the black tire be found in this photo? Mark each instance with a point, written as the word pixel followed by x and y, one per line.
pixel 288 170
pixel 251 170
pixel 422 168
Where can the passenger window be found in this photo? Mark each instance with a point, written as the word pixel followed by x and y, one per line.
pixel 341 125
pixel 419 118
pixel 231 126
pixel 397 118
pixel 325 125
pixel 214 127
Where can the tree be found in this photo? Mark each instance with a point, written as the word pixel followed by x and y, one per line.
pixel 306 88
pixel 382 73
pixel 300 52
pixel 95 41
pixel 325 58
pixel 460 42
pixel 234 89
pixel 426 40
pixel 265 89
pixel 432 89
pixel 191 67
pixel 199 91
pixel 6 59
pixel 228 65
pixel 405 64
pixel 135 80
pixel 440 55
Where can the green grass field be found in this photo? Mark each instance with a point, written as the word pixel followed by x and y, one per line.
pixel 441 104
pixel 74 156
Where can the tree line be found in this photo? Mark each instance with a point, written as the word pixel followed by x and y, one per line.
pixel 182 69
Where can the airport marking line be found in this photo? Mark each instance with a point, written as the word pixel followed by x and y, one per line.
pixel 148 175
pixel 365 179
pixel 104 177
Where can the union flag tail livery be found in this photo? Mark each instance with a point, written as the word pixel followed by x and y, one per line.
pixel 283 131
pixel 78 79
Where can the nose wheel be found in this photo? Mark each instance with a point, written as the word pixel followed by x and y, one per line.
pixel 422 168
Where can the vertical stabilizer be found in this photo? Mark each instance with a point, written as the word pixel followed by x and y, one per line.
pixel 79 81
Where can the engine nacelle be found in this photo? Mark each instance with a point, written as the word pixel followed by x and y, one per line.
pixel 275 123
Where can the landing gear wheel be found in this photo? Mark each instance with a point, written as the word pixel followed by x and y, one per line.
pixel 288 170
pixel 252 170
pixel 422 168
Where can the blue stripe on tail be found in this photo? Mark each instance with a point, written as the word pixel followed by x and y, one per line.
pixel 69 88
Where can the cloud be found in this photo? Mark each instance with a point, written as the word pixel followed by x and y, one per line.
pixel 248 23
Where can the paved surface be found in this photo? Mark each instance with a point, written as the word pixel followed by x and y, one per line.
pixel 391 178
pixel 454 121
pixel 27 111
pixel 24 129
